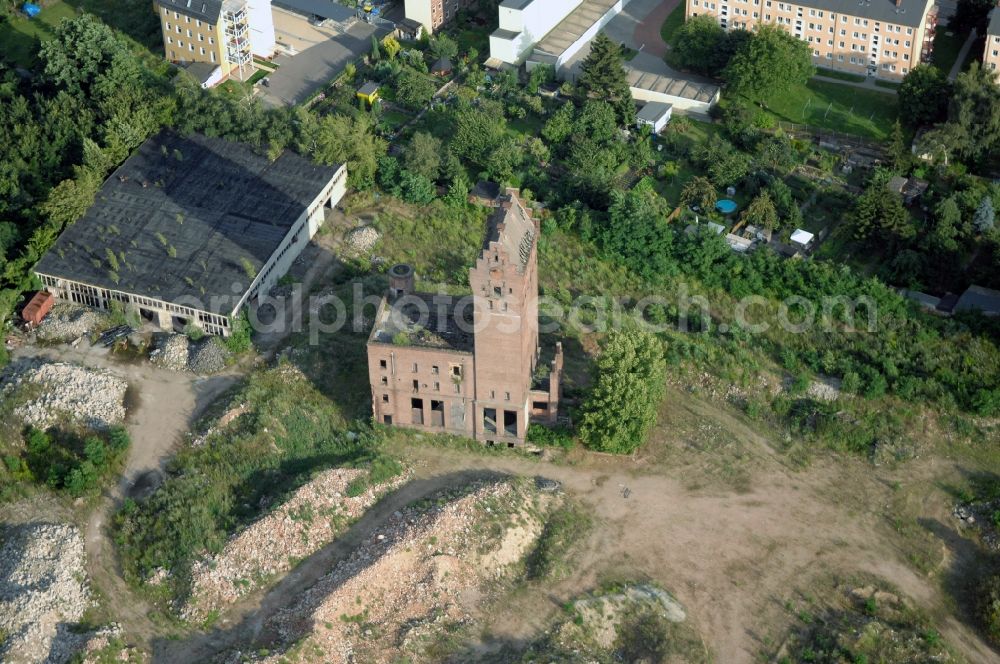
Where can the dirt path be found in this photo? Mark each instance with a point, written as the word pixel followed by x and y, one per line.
pixel 163 406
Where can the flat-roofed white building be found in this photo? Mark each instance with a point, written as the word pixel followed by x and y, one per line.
pixel 523 23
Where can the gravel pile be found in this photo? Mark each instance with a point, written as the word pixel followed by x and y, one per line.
pixel 362 239
pixel 42 589
pixel 171 352
pixel 826 389
pixel 207 356
pixel 67 322
pixel 410 579
pixel 52 390
pixel 317 513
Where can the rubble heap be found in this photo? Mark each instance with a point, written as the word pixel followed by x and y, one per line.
pixel 48 391
pixel 425 569
pixel 42 590
pixel 67 322
pixel 316 514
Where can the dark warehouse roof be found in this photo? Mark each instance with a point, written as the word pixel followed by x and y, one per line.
pixel 183 216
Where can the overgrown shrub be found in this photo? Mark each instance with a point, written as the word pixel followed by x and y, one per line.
pixel 289 432
pixel 69 461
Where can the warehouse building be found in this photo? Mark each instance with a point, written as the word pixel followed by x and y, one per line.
pixel 190 230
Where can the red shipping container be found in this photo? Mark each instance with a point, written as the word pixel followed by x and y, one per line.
pixel 38 307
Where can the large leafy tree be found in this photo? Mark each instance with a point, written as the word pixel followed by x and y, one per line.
pixel 422 155
pixel 769 63
pixel 603 77
pixel 725 164
pixel 335 139
pixel 699 191
pixel 479 130
pixel 637 233
pixel 412 89
pixel 879 212
pixel 974 112
pixel 924 95
pixel 699 46
pixel 622 406
pixel 761 212
pixel 443 46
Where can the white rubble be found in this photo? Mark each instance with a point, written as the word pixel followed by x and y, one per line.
pixel 43 590
pixel 53 390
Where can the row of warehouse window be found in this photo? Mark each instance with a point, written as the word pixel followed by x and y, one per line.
pixel 101 298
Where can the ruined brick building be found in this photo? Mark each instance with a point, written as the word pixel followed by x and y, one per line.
pixel 468 365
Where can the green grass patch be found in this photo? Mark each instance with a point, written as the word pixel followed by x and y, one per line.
pixel 21 36
pixel 441 242
pixel 888 85
pixel 946 48
pixel 673 23
pixel 840 75
pixel 837 107
pixel 259 74
pixel 564 528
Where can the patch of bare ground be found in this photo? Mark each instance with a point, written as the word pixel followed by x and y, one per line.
pixel 314 515
pixel 423 571
pixel 710 510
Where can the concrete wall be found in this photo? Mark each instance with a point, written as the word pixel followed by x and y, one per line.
pixel 420 11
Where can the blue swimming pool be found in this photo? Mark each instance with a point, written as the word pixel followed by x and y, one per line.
pixel 726 206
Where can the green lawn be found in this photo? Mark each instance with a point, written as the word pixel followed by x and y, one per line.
pixel 837 107
pixel 889 85
pixel 21 36
pixel 674 21
pixel 946 48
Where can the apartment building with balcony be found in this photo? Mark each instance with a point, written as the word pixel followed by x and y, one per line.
pixel 991 53
pixel 880 38
pixel 223 35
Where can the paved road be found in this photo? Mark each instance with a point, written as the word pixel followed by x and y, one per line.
pixel 638 26
pixel 868 84
pixel 956 68
pixel 301 75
